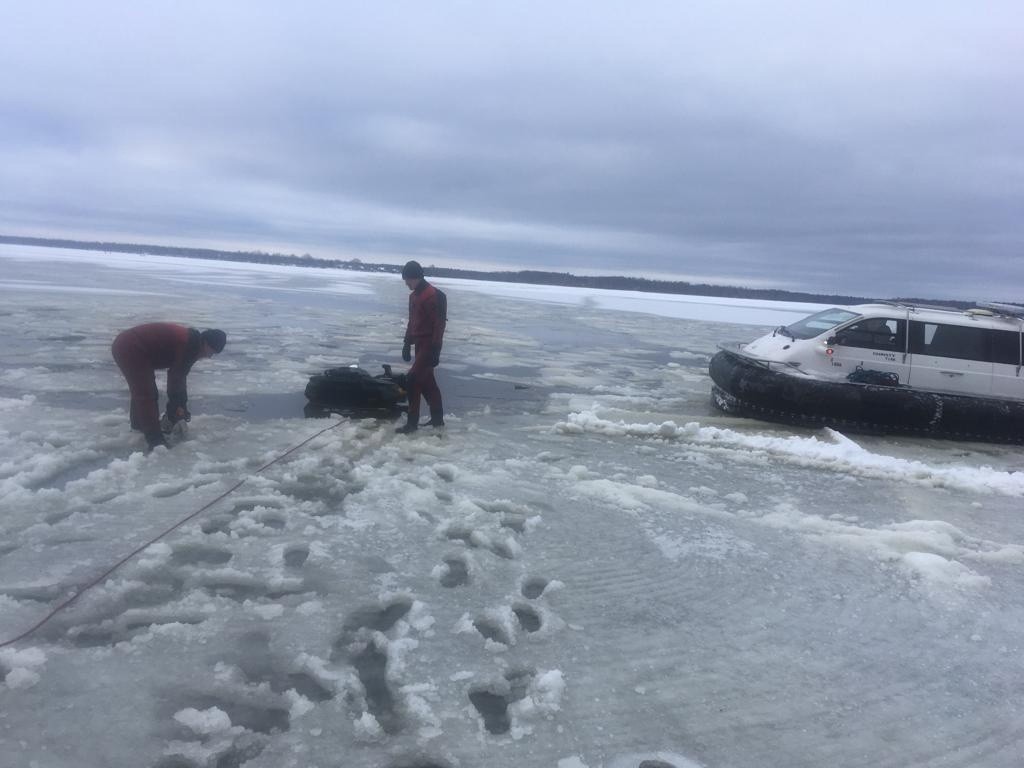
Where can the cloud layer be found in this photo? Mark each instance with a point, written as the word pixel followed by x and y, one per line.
pixel 873 150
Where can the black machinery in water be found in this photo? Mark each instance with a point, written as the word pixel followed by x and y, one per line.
pixel 350 389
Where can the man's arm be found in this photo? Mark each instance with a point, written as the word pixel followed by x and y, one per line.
pixel 177 388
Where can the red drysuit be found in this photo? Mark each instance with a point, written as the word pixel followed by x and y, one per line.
pixel 139 352
pixel 427 319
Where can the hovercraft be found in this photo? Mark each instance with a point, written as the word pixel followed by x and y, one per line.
pixel 351 389
pixel 884 368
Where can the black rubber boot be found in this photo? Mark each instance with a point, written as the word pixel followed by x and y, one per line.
pixel 153 439
pixel 437 418
pixel 408 429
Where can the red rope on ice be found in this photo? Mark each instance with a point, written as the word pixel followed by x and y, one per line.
pixel 155 539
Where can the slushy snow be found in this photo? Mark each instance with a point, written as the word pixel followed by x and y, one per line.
pixel 588 568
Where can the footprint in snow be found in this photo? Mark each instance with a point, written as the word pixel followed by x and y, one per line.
pixel 529 619
pixel 455 572
pixel 199 554
pixel 492 701
pixel 295 556
pixel 534 587
pixel 370 659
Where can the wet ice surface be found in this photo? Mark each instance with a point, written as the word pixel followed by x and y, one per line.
pixel 589 567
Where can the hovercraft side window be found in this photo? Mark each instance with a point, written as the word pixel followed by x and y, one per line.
pixel 884 333
pixel 985 345
pixel 819 323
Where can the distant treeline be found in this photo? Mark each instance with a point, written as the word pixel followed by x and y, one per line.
pixel 536 277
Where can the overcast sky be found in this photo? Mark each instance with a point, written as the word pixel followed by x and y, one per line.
pixel 849 147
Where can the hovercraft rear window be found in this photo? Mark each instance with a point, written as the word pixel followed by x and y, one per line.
pixel 818 323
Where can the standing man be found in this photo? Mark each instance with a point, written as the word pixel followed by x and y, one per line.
pixel 140 351
pixel 428 313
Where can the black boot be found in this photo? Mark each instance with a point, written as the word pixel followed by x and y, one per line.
pixel 408 429
pixel 153 439
pixel 437 418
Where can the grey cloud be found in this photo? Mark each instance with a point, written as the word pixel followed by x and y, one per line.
pixel 875 151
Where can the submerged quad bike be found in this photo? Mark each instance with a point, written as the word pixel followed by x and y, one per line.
pixel 353 390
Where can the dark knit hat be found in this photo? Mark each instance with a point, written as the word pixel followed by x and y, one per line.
pixel 214 338
pixel 412 269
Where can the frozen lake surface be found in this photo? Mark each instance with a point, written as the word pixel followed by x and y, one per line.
pixel 589 568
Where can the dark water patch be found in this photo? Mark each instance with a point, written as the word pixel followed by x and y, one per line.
pixel 252 407
pixel 466 391
pixel 469 389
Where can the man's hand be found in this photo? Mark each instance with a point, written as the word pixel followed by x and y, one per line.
pixel 435 355
pixel 407 352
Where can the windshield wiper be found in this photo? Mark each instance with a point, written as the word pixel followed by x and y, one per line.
pixel 784 331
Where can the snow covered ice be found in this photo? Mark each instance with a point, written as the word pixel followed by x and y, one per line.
pixel 589 568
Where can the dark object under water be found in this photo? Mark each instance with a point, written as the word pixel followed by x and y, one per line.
pixel 353 390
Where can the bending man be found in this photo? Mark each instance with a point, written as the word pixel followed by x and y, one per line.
pixel 140 351
pixel 428 313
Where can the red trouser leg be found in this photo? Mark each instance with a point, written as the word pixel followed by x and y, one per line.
pixel 130 358
pixel 422 382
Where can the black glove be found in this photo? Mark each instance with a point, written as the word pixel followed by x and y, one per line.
pixel 435 355
pixel 407 352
